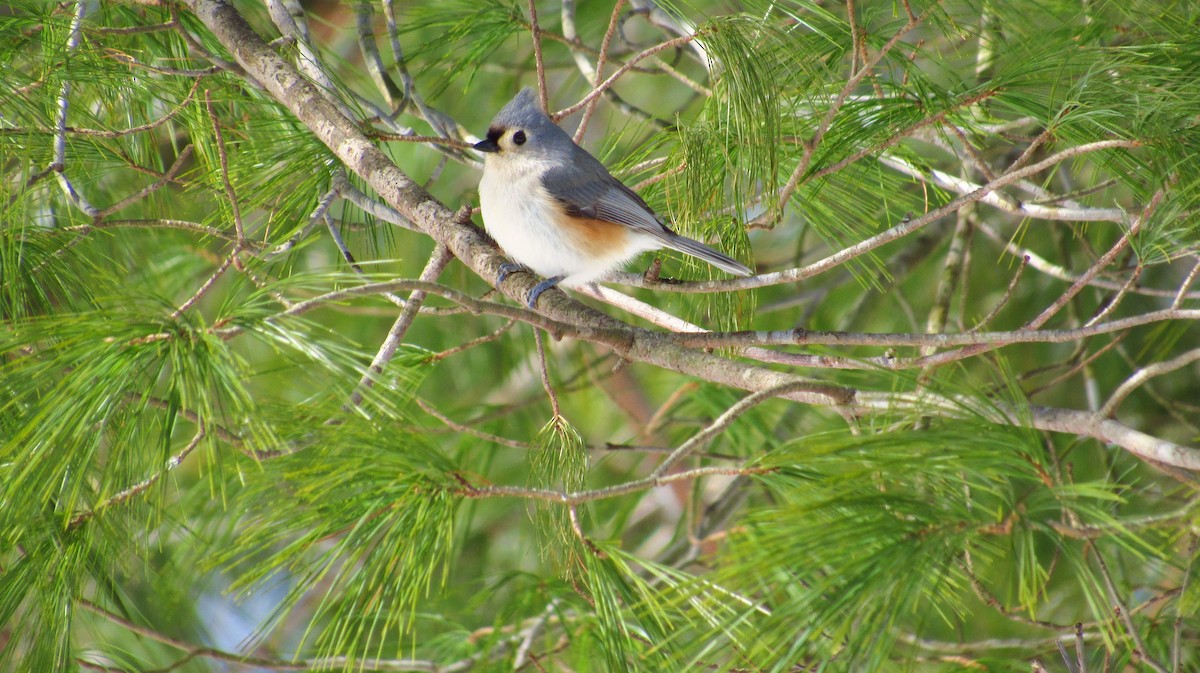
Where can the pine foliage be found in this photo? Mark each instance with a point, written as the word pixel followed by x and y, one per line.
pixel 238 433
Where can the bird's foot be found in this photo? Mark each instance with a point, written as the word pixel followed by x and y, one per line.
pixel 507 269
pixel 541 287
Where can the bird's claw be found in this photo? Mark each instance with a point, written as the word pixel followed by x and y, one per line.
pixel 538 289
pixel 507 269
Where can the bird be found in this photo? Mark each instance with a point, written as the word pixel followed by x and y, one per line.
pixel 557 211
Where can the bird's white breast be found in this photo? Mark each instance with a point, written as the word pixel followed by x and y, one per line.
pixel 524 219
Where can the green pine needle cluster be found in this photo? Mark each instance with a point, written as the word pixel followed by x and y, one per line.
pixel 234 435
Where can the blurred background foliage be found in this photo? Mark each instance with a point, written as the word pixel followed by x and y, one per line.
pixel 185 484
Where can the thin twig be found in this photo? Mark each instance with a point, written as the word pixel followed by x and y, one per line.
pixel 287 664
pixel 413 138
pixel 31 181
pixel 340 243
pixel 472 343
pixel 207 285
pixel 224 160
pixel 1007 203
pixel 131 30
pixel 856 38
pixel 1139 646
pixel 74 37
pixel 535 32
pixel 433 268
pixel 604 46
pixel 531 633
pixel 1139 378
pixel 374 208
pixel 683 79
pixel 545 373
pixel 1186 284
pixel 674 323
pixel 953 268
pixel 453 425
pixel 1111 305
pixel 1033 147
pixel 1081 365
pixel 131 62
pixel 157 223
pixel 59 165
pixel 1183 587
pixel 1102 263
pixel 142 485
pixel 1039 263
pixel 1062 652
pixel 1008 293
pixel 968 155
pixel 97 222
pixel 990 599
pixel 719 425
pixel 364 23
pixel 1080 659
pixel 796 337
pixel 318 215
pixel 603 86
pixel 574 498
pixel 168 177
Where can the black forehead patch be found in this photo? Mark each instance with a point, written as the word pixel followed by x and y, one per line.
pixel 494 133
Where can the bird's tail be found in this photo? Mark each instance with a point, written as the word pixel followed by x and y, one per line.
pixel 697 249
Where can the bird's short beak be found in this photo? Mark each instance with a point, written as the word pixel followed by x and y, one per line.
pixel 487 146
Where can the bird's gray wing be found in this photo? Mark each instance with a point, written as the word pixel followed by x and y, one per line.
pixel 587 189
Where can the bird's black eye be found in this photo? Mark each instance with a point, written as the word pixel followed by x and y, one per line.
pixel 519 137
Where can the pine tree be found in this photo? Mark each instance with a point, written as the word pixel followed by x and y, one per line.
pixel 265 406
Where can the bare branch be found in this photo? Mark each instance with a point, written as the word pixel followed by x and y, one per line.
pixel 206 286
pixel 1008 292
pixel 1010 205
pixel 459 427
pixel 906 227
pixel 626 67
pixel 142 485
pixel 700 439
pixel 414 665
pixel 364 25
pixel 944 340
pixel 604 46
pixel 555 410
pixel 437 263
pixel 535 32
pixel 1139 645
pixel 1141 376
pixel 224 161
pixel 167 178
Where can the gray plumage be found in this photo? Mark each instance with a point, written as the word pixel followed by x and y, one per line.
pixel 534 172
pixel 586 188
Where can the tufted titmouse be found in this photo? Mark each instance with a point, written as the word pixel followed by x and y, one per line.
pixel 558 211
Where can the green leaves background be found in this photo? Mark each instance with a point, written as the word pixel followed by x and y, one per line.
pixel 159 465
